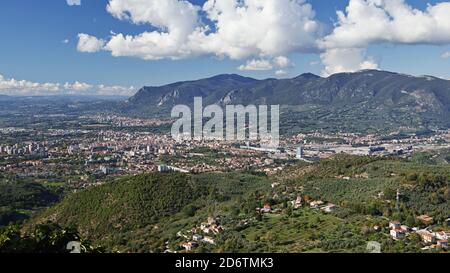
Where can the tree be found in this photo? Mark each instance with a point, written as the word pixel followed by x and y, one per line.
pixel 390 194
pixel 46 238
pixel 259 217
pixel 189 210
pixel 288 211
pixel 410 221
pixel 447 193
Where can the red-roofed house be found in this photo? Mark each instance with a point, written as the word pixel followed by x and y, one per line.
pixel 427 237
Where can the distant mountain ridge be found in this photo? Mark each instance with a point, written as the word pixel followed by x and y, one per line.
pixel 422 101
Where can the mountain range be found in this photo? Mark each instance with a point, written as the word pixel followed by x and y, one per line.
pixel 365 100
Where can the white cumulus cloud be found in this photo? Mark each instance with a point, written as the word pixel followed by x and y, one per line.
pixel 283 62
pixel 377 21
pixel 24 86
pixel 367 22
pixel 339 60
pixel 446 55
pixel 260 28
pixel 14 87
pixel 177 23
pixel 281 73
pixel 89 44
pixel 264 33
pixel 77 86
pixel 73 2
pixel 256 65
pixel 237 29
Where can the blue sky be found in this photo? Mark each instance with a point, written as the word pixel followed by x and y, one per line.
pixel 32 48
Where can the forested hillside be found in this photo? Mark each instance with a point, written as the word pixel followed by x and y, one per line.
pixel 124 205
pixel 18 200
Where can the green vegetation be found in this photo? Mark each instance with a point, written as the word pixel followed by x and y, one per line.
pixel 48 238
pixel 18 200
pixel 125 204
pixel 368 185
pixel 157 212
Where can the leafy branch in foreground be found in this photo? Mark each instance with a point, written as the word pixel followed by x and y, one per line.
pixel 45 238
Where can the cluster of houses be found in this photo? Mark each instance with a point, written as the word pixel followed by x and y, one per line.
pixel 203 233
pixel 315 204
pixel 434 239
pixel 298 203
pixel 211 226
pixel 429 238
pixel 397 230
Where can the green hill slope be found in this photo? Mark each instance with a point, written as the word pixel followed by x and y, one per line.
pixel 125 204
pixel 160 212
pixel 20 200
pixel 122 208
